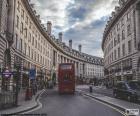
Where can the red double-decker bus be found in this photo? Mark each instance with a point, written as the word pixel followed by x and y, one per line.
pixel 66 78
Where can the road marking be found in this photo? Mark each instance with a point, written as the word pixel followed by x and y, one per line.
pixel 106 105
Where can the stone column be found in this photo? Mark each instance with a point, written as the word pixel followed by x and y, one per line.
pixel 137 24
pixel 137 20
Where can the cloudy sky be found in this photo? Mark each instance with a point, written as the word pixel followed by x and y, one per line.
pixel 83 21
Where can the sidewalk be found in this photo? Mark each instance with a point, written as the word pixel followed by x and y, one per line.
pixel 26 105
pixel 117 103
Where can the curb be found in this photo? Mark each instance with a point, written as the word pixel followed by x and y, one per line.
pixel 96 98
pixel 31 108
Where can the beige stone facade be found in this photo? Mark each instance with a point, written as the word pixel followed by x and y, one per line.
pixel 35 47
pixel 120 42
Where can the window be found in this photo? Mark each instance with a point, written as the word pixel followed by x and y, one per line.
pixel 29 51
pixel 118 27
pixel 18 6
pixel 22 13
pixel 128 30
pixel 115 55
pixel 32 53
pixel 129 47
pixel 30 25
pixel 112 56
pixel 21 28
pixel 115 42
pixel 123 49
pixel 17 22
pixel 118 38
pixel 25 47
pixel 128 16
pixel 29 37
pixel 16 42
pixel 25 32
pixel 111 44
pixel 123 35
pixel 35 55
pixel 33 41
pixel 20 45
pixel 26 21
pixel 122 22
pixel 119 52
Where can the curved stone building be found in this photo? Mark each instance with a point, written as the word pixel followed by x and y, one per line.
pixel 121 40
pixel 34 47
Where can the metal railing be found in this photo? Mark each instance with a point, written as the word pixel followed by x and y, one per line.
pixel 7 99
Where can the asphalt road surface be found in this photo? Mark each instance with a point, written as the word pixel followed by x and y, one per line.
pixel 54 104
pixel 99 90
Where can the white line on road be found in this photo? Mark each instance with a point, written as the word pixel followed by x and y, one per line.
pixel 106 105
pixel 39 103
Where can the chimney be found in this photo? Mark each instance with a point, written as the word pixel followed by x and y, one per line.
pixel 80 47
pixel 60 36
pixel 49 27
pixel 70 44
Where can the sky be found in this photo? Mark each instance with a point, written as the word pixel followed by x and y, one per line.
pixel 83 21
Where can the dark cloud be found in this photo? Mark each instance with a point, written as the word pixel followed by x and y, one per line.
pixel 83 21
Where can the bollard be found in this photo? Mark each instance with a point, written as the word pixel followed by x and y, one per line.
pixel 90 89
pixel 28 94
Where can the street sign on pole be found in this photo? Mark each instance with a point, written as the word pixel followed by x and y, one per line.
pixel 32 73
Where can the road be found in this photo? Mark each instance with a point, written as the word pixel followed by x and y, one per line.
pixel 98 89
pixel 54 104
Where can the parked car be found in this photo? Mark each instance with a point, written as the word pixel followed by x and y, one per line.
pixel 128 90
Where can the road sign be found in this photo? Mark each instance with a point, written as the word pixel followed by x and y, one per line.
pixel 32 73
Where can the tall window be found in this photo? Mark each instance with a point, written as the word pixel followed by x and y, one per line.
pixel 25 47
pixel 128 16
pixel 123 49
pixel 118 38
pixel 20 45
pixel 123 35
pixel 22 13
pixel 119 52
pixel 30 25
pixel 29 37
pixel 29 51
pixel 128 30
pixel 18 6
pixel 16 41
pixel 118 27
pixel 26 21
pixel 112 56
pixel 122 22
pixel 17 22
pixel 33 41
pixel 115 41
pixel 129 46
pixel 21 28
pixel 115 54
pixel 25 32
